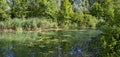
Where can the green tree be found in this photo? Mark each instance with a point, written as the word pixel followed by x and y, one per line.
pixel 38 8
pixel 51 8
pixel 80 5
pixel 4 10
pixel 96 10
pixel 65 13
pixel 104 9
pixel 108 42
pixel 66 9
pixel 117 12
pixel 19 8
pixel 108 9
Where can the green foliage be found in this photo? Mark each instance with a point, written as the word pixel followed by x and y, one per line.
pixel 110 12
pixel 46 8
pixel 65 13
pixel 90 21
pixel 117 13
pixel 4 10
pixel 51 8
pixel 80 5
pixel 96 10
pixel 103 8
pixel 66 9
pixel 85 20
pixel 28 24
pixel 78 19
pixel 48 23
pixel 108 9
pixel 61 15
pixel 18 8
pixel 108 42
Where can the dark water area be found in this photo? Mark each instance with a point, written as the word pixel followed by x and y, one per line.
pixel 62 43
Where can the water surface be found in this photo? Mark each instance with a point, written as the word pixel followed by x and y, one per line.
pixel 62 43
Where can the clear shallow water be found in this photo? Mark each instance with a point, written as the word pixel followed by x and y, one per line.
pixel 70 43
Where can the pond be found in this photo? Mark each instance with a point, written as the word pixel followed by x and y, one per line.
pixel 61 43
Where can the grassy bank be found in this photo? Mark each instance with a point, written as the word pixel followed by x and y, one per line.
pixel 30 24
pixel 33 24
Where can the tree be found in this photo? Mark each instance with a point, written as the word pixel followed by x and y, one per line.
pixel 108 9
pixel 96 10
pixel 117 12
pixel 4 10
pixel 38 8
pixel 18 8
pixel 80 5
pixel 104 9
pixel 108 42
pixel 66 9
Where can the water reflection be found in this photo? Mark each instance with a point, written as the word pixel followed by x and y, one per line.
pixel 75 51
pixel 45 44
pixel 8 51
pixel 32 53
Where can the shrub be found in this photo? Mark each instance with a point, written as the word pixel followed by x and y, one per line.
pixel 89 20
pixel 4 10
pixel 2 26
pixel 77 18
pixel 29 24
pixel 48 23
pixel 108 43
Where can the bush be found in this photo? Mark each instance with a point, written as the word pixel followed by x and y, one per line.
pixel 29 24
pixel 107 44
pixel 90 21
pixel 4 10
pixel 46 23
pixel 2 26
pixel 85 20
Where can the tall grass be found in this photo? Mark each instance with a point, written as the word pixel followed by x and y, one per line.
pixel 27 24
pixel 32 24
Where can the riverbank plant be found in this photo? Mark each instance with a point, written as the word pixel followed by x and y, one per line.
pixel 107 44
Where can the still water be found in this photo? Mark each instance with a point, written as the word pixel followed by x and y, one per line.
pixel 61 43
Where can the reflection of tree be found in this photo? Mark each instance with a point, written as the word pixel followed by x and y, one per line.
pixel 75 51
pixel 8 52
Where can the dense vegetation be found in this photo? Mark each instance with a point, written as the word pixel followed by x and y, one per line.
pixel 34 14
pixel 108 43
pixel 29 14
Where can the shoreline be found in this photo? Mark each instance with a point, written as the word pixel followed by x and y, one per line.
pixel 39 29
pixel 32 30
